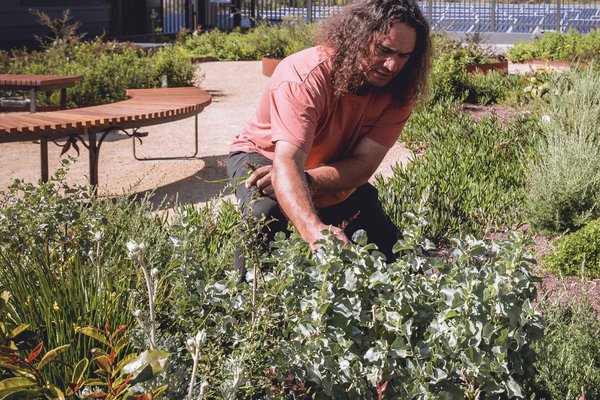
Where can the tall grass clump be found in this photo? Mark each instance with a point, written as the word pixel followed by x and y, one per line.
pixel 64 262
pixel 568 357
pixel 564 178
pixel 472 173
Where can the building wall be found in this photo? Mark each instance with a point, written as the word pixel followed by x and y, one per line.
pixel 19 27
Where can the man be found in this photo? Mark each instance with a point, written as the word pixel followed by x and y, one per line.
pixel 326 119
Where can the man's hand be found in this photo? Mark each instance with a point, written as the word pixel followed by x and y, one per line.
pixel 261 178
pixel 337 232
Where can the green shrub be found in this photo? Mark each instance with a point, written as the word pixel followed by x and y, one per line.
pixel 279 41
pixel 174 63
pixel 494 88
pixel 360 326
pixel 228 46
pixel 106 70
pixel 472 173
pixel 449 78
pixel 564 179
pixel 568 357
pixel 552 46
pixel 578 253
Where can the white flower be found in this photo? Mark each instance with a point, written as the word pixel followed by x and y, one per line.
pixel 154 273
pixel 137 313
pixel 546 118
pixel 200 337
pixel 190 344
pixel 97 236
pixel 135 249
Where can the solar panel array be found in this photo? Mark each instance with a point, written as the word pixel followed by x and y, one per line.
pixel 461 16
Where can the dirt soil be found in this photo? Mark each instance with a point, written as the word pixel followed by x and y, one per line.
pixel 236 88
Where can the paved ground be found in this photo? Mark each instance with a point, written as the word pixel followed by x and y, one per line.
pixel 236 88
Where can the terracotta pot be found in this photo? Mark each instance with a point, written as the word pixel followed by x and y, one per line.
pixel 268 65
pixel 500 66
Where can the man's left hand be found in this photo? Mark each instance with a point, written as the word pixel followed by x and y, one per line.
pixel 261 178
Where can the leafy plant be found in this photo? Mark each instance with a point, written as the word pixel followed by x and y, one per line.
pixel 552 46
pixel 21 377
pixel 568 357
pixel 64 261
pixel 577 253
pixel 117 373
pixel 229 46
pixel 279 41
pixel 422 327
pixel 472 173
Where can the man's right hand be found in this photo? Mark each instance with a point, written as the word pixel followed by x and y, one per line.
pixel 337 232
pixel 261 178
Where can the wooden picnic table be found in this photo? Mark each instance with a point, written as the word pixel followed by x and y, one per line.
pixel 36 83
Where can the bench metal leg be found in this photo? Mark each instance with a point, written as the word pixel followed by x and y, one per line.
pixel 137 136
pixel 44 158
pixel 32 100
pixel 93 150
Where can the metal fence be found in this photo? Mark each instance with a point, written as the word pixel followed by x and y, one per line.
pixel 506 16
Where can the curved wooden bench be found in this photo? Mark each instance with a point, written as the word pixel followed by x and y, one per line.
pixel 145 107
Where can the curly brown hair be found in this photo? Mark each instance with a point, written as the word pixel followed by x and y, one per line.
pixel 350 32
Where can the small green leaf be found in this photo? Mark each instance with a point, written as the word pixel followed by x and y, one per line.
pixel 11 386
pixel 51 355
pixel 160 391
pixel 79 371
pixel 19 329
pixel 104 363
pixel 93 333
pixel 147 365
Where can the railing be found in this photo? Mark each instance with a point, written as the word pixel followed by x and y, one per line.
pixel 507 16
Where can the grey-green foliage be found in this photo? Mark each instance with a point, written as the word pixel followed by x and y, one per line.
pixel 422 327
pixel 568 357
pixel 472 171
pixel 564 185
pixel 64 262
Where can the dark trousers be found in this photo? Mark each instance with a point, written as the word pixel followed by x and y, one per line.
pixel 362 210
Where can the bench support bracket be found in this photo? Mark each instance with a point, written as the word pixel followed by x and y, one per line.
pixel 135 135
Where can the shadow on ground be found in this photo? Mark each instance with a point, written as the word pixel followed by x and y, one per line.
pixel 206 184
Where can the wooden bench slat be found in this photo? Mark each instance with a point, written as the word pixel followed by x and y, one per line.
pixel 146 106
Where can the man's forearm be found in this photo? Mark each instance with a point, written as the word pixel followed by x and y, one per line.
pixel 295 200
pixel 337 177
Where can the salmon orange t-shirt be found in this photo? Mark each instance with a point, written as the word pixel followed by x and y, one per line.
pixel 298 106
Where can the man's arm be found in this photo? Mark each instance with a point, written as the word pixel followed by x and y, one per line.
pixel 293 195
pixel 351 172
pixel 338 176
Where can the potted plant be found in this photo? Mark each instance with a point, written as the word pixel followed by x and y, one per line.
pixel 482 58
pixel 278 42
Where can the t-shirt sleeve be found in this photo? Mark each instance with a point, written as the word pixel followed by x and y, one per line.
pixel 389 125
pixel 294 115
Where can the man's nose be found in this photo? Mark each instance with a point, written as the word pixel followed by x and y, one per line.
pixel 392 64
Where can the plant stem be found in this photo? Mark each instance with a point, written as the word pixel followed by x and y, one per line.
pixel 150 303
pixel 194 368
